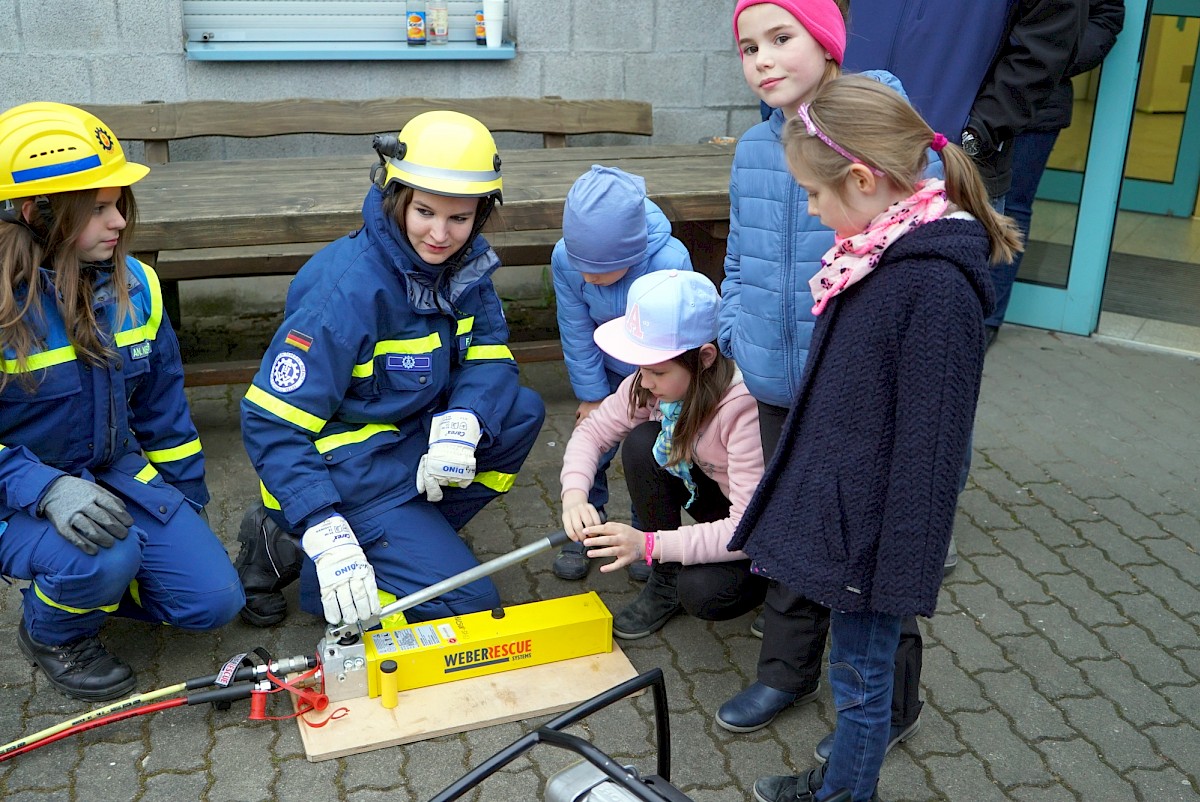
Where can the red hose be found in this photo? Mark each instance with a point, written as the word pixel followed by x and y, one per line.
pixel 87 725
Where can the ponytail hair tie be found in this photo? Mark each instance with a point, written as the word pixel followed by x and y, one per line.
pixel 939 142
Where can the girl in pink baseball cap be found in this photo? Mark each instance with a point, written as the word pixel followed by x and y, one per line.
pixel 689 435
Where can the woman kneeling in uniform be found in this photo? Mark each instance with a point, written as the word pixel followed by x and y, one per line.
pixel 387 412
pixel 101 475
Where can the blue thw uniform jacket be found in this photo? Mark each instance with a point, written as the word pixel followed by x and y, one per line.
pixel 338 416
pixel 125 423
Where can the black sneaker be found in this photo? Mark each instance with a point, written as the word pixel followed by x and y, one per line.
pixel 572 562
pixel 799 788
pixel 81 668
pixel 269 560
pixel 758 625
pixel 653 608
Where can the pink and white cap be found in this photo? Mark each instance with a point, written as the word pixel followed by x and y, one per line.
pixel 667 313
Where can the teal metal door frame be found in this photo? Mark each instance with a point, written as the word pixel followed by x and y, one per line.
pixel 1075 309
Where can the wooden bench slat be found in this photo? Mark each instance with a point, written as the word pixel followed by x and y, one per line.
pixel 513 248
pixel 168 121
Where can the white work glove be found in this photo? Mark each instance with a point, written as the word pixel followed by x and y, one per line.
pixel 348 590
pixel 450 459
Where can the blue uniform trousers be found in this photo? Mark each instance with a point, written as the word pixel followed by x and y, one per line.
pixel 416 544
pixel 175 572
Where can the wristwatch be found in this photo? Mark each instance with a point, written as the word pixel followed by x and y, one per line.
pixel 971 144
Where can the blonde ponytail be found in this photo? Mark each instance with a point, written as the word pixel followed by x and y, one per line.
pixel 878 126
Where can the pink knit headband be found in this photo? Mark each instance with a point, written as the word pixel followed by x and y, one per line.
pixel 821 18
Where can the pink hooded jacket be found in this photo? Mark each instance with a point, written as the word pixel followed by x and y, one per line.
pixel 729 452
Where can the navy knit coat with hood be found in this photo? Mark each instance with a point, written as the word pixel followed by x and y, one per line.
pixel 856 508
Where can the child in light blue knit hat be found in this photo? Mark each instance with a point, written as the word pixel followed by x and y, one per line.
pixel 612 235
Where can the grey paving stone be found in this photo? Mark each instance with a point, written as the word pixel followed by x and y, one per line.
pixel 1166 583
pixel 1163 623
pixel 1052 676
pixel 1033 717
pixel 1154 665
pixel 1181 745
pixel 1092 608
pixel 109 770
pixel 1047 527
pixel 299 779
pixel 1079 766
pixel 962 777
pixel 1168 785
pixel 1010 760
pixel 171 787
pixel 948 686
pixel 992 615
pixel 1118 743
pixel 238 765
pixel 1015 584
pixel 1071 639
pixel 1066 505
pixel 1053 793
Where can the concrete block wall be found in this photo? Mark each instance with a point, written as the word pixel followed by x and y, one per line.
pixel 676 54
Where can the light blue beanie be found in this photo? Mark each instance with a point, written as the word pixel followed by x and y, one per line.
pixel 604 220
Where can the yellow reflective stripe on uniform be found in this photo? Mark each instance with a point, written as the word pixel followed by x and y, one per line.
pixel 327 444
pixel 284 410
pixel 465 325
pixel 417 345
pixel 269 501
pixel 149 329
pixel 178 452
pixel 500 482
pixel 40 361
pixel 107 608
pixel 146 474
pixel 489 352
pixel 135 593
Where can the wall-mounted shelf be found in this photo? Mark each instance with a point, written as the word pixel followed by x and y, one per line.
pixel 346 51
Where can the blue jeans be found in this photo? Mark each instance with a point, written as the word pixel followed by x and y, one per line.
pixel 861 665
pixel 1031 151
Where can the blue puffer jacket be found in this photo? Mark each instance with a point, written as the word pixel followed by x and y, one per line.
pixel 582 306
pixel 774 249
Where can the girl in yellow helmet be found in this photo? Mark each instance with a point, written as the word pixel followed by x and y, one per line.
pixel 387 410
pixel 101 473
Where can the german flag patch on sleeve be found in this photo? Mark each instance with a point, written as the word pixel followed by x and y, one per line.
pixel 298 340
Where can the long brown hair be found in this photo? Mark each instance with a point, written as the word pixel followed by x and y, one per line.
pixel 706 387
pixel 51 240
pixel 875 124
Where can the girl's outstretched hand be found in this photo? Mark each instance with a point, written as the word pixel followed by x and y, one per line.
pixel 578 514
pixel 617 540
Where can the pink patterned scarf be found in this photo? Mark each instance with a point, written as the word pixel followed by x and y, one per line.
pixel 852 258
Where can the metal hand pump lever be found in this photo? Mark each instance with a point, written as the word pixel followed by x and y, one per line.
pixel 338 631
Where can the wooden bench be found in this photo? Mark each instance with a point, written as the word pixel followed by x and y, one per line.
pixel 158 124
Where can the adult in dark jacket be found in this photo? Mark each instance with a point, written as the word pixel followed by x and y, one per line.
pixel 1031 148
pixel 977 70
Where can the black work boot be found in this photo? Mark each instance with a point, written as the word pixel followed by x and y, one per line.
pixel 81 668
pixel 653 607
pixel 268 561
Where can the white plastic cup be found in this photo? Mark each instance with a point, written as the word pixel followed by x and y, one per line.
pixel 493 21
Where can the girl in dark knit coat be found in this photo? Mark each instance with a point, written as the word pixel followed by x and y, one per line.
pixel 856 509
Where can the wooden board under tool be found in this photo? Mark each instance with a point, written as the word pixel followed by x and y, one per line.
pixel 468 704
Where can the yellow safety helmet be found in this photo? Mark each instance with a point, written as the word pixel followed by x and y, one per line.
pixel 443 152
pixel 52 147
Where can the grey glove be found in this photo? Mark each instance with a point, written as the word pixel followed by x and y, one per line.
pixel 84 513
